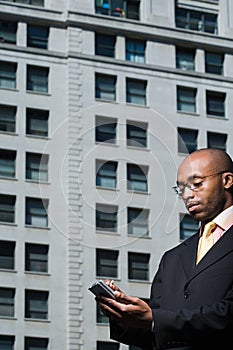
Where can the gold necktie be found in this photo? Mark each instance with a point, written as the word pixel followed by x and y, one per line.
pixel 206 241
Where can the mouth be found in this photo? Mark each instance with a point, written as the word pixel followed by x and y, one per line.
pixel 193 206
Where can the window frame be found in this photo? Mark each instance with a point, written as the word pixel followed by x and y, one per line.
pixel 7 255
pixel 105 87
pixel 106 174
pixel 40 307
pixel 185 58
pixel 108 215
pixel 135 50
pixel 7 302
pixel 36 258
pixel 7 163
pixel 7 118
pixel 7 207
pixel 136 91
pixel 36 210
pixel 189 146
pixel 37 167
pixel 186 99
pixel 38 79
pixel 8 75
pixel 105 44
pixel 218 100
pixel 105 130
pixel 34 118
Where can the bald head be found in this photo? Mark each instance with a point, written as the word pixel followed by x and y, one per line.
pixel 215 160
pixel 205 179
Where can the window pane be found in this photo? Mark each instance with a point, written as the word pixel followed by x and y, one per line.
pixel 37 167
pixel 187 140
pixel 136 91
pixel 137 177
pixel 105 87
pixel 215 103
pixel 7 118
pixel 7 208
pixel 106 174
pixel 106 263
pixel 135 50
pixel 8 32
pixel 37 122
pixel 137 135
pixel 37 37
pixel 194 20
pixel 7 163
pixel 105 45
pixel 36 212
pixel 106 218
pixel 185 59
pixel 36 304
pixel 216 140
pixel 188 226
pixel 37 79
pixel 36 343
pixel 138 266
pixel 8 75
pixel 214 63
pixel 36 258
pixel 138 222
pixel 7 342
pixel 7 296
pixel 186 99
pixel 7 255
pixel 105 130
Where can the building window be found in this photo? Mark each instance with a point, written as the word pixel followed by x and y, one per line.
pixel 7 302
pixel 100 317
pixel 105 45
pixel 187 140
pixel 7 118
pixel 7 163
pixel 135 50
pixel 106 218
pixel 7 255
pixel 216 140
pixel 105 87
pixel 8 32
pixel 36 343
pixel 106 263
pixel 186 99
pixel 194 20
pixel 7 342
pixel 36 257
pixel 37 79
pixel 138 266
pixel 37 36
pixel 36 212
pixel 136 134
pixel 188 226
pixel 137 177
pixel 8 75
pixel 215 103
pixel 36 304
pixel 136 91
pixel 28 2
pixel 106 174
pixel 119 8
pixel 185 58
pixel 37 166
pixel 7 208
pixel 214 63
pixel 37 122
pixel 105 130
pixel 138 222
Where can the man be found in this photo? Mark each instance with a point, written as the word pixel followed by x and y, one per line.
pixel 191 303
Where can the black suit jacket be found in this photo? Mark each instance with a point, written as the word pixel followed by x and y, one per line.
pixel 192 304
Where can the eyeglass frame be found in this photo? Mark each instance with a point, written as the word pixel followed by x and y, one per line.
pixel 196 187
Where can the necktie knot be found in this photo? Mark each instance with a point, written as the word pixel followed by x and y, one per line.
pixel 206 240
pixel 209 228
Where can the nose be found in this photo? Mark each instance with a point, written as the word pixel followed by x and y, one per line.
pixel 187 193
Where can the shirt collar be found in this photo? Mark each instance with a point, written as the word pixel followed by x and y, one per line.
pixel 225 218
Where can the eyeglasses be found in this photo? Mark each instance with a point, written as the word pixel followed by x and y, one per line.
pixel 194 184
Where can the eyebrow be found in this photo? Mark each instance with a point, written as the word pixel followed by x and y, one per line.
pixel 190 178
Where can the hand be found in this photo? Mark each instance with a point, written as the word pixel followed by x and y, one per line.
pixel 126 310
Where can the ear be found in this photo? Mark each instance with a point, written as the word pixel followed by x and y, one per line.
pixel 228 180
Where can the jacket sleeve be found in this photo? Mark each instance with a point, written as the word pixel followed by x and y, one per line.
pixel 131 336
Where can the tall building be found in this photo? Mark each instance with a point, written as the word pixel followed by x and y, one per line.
pixel 100 100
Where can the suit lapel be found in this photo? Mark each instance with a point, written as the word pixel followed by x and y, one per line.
pixel 188 256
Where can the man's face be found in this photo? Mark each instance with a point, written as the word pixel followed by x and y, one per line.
pixel 206 197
